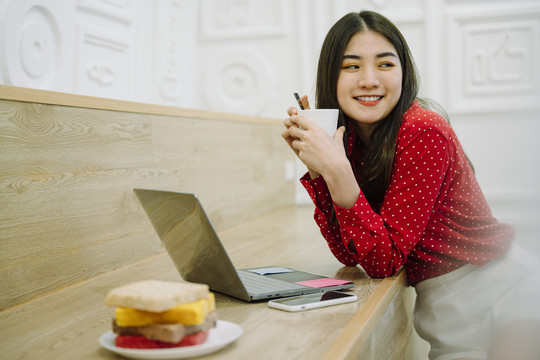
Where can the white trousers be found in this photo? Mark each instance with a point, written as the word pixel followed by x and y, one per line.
pixel 459 313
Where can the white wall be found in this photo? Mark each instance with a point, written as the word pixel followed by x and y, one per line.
pixel 478 58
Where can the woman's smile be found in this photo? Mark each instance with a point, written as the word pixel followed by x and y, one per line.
pixel 368 100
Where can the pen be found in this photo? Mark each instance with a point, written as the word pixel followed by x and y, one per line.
pixel 298 100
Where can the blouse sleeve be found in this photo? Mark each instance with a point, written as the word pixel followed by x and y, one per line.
pixel 320 195
pixel 383 241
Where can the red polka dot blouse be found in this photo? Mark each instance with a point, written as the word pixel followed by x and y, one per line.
pixel 434 217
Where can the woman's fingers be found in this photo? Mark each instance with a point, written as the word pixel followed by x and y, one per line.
pixel 292 111
pixel 290 140
pixel 290 122
pixel 294 132
pixel 340 132
pixel 302 122
pixel 305 102
pixel 296 121
pixel 297 126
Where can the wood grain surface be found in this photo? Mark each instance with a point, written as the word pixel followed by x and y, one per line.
pixel 68 212
pixel 58 98
pixel 66 324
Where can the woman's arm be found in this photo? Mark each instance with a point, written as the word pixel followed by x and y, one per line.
pixel 325 218
pixel 383 241
pixel 380 243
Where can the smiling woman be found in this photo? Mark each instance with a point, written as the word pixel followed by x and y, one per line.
pixel 393 188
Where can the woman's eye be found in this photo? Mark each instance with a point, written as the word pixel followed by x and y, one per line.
pixel 350 66
pixel 387 65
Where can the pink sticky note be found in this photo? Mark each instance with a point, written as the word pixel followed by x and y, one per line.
pixel 319 283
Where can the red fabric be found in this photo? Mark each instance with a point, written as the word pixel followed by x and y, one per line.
pixel 140 342
pixel 434 217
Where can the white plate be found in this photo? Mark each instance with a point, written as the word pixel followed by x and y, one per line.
pixel 222 335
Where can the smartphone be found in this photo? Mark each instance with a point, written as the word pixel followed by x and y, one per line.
pixel 312 301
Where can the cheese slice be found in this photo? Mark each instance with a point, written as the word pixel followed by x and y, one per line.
pixel 192 313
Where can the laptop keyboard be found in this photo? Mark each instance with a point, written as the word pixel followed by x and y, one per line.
pixel 258 284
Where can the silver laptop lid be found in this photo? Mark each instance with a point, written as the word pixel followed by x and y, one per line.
pixel 191 241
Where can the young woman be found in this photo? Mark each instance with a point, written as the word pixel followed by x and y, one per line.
pixel 393 188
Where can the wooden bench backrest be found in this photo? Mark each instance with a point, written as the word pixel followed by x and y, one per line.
pixel 69 164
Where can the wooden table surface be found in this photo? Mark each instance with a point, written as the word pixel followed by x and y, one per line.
pixel 68 323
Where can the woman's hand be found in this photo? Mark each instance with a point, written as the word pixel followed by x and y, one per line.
pixel 322 154
pixel 288 123
pixel 313 146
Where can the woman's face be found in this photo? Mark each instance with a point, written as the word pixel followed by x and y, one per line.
pixel 369 82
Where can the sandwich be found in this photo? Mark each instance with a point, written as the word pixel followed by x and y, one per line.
pixel 159 314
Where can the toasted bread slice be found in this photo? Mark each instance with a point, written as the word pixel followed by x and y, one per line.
pixel 155 295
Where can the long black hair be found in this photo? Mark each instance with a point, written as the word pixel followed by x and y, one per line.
pixel 379 153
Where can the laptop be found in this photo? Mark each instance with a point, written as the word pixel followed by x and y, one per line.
pixel 197 252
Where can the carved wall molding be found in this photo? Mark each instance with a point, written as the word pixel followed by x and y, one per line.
pixel 170 84
pixel 492 56
pixel 119 10
pixel 103 63
pixel 226 19
pixel 35 38
pixel 239 82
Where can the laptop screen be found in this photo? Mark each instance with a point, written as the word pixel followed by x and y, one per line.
pixel 190 240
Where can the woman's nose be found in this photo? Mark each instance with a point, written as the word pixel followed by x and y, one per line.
pixel 368 78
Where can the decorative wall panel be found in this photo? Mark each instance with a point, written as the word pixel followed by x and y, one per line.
pixel 174 51
pixel 104 60
pixel 35 44
pixel 120 10
pixel 492 60
pixel 102 64
pixel 393 8
pixel 242 18
pixel 238 82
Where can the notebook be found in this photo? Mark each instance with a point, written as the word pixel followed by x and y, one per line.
pixel 197 252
